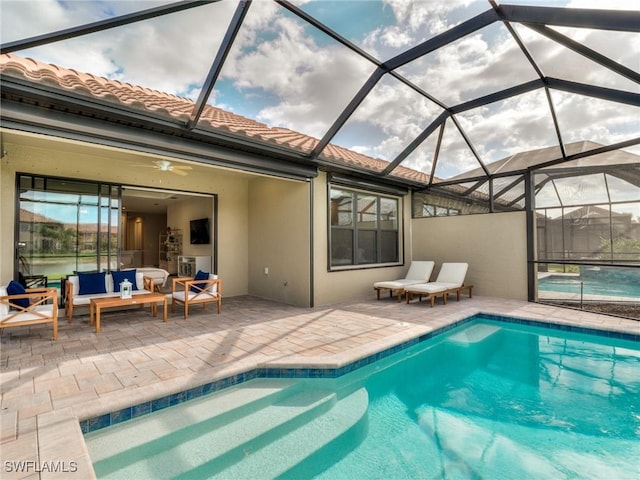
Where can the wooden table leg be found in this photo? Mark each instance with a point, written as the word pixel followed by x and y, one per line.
pixel 97 313
pixel 164 302
pixel 92 313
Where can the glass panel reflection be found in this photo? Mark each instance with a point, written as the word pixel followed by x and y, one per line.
pixel 341 207
pixel 367 212
pixel 341 247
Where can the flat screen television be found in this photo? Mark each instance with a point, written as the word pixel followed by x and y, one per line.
pixel 199 231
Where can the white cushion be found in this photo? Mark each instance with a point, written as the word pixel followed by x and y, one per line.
pixel 75 281
pixel 4 307
pixel 420 270
pixel 86 299
pixel 108 282
pixel 432 287
pixel 397 284
pixel 47 310
pixel 190 295
pixel 214 287
pixel 453 273
pixel 139 280
pixel 158 275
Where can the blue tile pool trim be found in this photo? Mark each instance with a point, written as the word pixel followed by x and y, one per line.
pixel 113 418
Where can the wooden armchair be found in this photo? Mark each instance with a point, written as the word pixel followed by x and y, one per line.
pixel 42 308
pixel 188 291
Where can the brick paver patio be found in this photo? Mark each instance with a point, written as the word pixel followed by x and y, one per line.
pixel 47 386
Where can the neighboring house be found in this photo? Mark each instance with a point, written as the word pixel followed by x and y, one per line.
pixel 39 233
pixel 580 233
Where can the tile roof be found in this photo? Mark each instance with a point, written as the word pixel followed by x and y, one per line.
pixel 178 108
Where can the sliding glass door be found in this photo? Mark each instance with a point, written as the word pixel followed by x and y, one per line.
pixel 65 226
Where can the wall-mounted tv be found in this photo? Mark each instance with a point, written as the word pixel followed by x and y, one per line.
pixel 199 231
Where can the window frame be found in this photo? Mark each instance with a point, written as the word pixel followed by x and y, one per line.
pixel 355 227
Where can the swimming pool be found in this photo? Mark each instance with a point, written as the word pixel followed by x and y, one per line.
pixel 589 287
pixel 486 400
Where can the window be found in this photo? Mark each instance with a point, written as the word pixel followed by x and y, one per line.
pixel 66 225
pixel 363 228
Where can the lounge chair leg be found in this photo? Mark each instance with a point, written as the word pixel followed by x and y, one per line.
pixel 377 292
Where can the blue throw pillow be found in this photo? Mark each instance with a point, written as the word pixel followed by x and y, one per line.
pixel 119 277
pixel 15 288
pixel 91 283
pixel 196 287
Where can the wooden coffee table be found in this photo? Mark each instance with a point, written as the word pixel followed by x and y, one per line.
pixel 98 304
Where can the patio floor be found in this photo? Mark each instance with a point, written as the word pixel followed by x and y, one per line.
pixel 48 386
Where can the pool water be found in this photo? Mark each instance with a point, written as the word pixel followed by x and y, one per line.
pixel 574 285
pixel 487 400
pixel 518 403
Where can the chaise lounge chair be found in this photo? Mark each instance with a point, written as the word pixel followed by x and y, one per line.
pixel 450 280
pixel 419 272
pixel 32 306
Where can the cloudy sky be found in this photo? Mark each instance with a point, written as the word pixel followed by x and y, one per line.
pixel 284 73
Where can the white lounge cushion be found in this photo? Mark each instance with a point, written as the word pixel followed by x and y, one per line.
pixel 453 273
pixel 397 284
pixel 46 310
pixel 419 272
pixel 432 287
pixel 86 299
pixel 201 295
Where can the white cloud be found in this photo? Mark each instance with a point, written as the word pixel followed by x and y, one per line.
pixel 309 83
pixel 169 53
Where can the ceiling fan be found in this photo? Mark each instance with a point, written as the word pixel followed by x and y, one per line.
pixel 167 166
